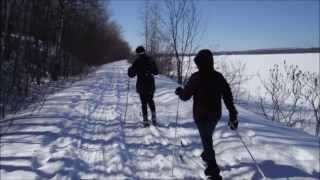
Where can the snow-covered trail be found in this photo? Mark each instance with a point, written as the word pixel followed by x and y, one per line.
pixel 82 133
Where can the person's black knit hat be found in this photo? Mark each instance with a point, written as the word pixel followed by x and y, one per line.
pixel 204 59
pixel 140 50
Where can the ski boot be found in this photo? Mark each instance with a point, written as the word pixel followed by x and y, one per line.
pixel 212 171
pixel 145 121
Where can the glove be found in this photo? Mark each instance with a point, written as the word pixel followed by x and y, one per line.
pixel 131 72
pixel 178 91
pixel 233 124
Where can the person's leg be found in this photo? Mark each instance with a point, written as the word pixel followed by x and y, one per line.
pixel 206 129
pixel 152 107
pixel 206 139
pixel 143 99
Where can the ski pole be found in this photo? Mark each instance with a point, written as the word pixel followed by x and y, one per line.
pixel 126 108
pixel 175 136
pixel 253 159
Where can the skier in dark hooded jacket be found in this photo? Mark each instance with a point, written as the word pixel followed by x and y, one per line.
pixel 145 68
pixel 208 87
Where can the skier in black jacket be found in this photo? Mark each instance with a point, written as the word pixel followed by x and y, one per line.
pixel 145 68
pixel 208 87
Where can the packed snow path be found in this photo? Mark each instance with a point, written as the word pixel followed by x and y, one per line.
pixel 82 133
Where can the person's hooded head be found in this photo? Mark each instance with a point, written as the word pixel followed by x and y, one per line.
pixel 204 60
pixel 140 50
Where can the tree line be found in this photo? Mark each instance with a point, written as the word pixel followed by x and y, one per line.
pixel 47 40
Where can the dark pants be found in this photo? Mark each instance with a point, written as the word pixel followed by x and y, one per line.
pixel 206 129
pixel 147 100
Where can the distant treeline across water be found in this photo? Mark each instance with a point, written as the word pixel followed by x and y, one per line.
pixel 257 51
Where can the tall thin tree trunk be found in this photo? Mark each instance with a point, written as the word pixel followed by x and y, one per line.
pixel 318 128
pixel 7 9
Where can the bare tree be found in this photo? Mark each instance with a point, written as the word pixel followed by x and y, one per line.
pixel 234 73
pixel 182 27
pixel 152 22
pixel 311 95
pixel 294 89
pixel 283 95
pixel 146 23
pixel 155 37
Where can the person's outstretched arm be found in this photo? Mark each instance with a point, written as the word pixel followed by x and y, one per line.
pixel 228 101
pixel 188 90
pixel 154 67
pixel 132 70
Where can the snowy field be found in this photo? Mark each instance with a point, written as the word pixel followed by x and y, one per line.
pixel 259 65
pixel 83 132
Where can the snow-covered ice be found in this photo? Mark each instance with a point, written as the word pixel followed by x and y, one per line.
pixel 83 133
pixel 259 65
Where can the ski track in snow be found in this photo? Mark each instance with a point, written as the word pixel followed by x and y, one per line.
pixel 82 133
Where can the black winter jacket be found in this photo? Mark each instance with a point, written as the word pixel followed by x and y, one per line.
pixel 207 90
pixel 144 67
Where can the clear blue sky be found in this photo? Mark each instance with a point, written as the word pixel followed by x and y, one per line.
pixel 237 24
